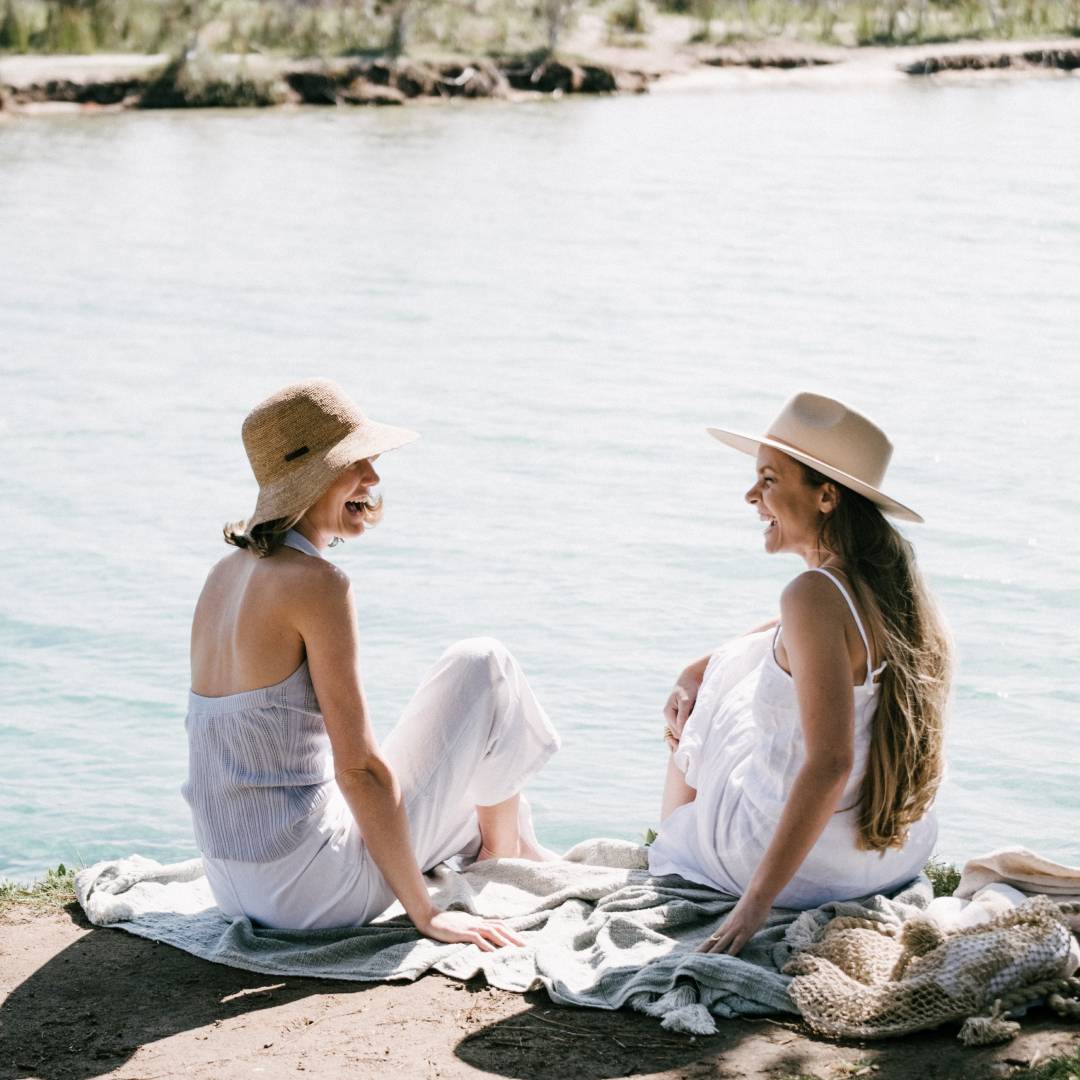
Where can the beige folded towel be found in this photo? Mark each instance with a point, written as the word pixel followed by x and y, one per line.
pixel 1022 869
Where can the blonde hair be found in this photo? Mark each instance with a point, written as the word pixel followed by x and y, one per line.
pixel 269 536
pixel 906 758
pixel 266 538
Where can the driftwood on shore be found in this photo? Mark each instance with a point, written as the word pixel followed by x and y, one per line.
pixel 106 92
pixel 784 63
pixel 1061 59
pixel 211 82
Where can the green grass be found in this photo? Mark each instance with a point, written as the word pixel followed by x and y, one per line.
pixel 943 876
pixel 206 81
pixel 876 22
pixel 626 17
pixel 282 27
pixel 502 27
pixel 51 894
pixel 1066 1067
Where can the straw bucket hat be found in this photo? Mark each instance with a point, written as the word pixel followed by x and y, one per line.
pixel 302 438
pixel 833 439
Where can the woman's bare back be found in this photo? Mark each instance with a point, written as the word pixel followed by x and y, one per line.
pixel 243 635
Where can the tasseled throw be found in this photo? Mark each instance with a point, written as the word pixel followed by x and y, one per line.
pixel 988 1030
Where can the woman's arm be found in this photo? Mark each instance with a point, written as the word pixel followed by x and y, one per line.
pixel 680 702
pixel 683 696
pixel 677 709
pixel 677 792
pixel 816 644
pixel 326 620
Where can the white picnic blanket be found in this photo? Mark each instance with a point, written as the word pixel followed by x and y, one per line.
pixel 600 932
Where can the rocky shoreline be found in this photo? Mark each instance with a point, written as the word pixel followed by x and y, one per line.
pixel 207 80
pixel 203 81
pixel 1066 58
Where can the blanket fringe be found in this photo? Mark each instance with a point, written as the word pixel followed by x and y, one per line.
pixel 1061 995
pixel 690 1020
pixel 988 1030
pixel 678 1010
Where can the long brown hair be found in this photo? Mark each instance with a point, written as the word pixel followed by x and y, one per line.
pixel 906 758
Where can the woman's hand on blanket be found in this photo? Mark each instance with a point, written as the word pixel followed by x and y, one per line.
pixel 455 926
pixel 741 924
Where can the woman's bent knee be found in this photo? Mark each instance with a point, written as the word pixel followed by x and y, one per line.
pixel 477 654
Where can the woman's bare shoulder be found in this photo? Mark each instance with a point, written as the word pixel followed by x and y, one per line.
pixel 287 575
pixel 811 596
pixel 809 587
pixel 311 589
pixel 222 573
pixel 303 575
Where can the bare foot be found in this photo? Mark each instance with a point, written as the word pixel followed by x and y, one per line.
pixel 538 853
pixel 525 850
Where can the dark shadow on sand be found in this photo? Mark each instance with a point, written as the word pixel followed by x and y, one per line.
pixel 551 1042
pixel 86 1011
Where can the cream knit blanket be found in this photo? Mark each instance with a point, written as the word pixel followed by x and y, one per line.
pixel 997 946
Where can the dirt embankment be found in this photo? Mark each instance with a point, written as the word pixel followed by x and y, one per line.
pixel 37 83
pixel 216 81
pixel 78 1002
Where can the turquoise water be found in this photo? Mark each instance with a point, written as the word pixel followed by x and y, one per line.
pixel 560 297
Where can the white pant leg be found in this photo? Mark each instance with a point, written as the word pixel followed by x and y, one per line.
pixel 471 736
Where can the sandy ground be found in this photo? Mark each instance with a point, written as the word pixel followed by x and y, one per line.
pixel 78 1002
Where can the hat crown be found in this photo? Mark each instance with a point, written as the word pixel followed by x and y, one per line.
pixel 282 433
pixel 823 428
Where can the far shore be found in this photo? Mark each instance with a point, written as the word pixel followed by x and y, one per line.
pixel 67 83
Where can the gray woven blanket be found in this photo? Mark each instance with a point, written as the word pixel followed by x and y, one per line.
pixel 600 932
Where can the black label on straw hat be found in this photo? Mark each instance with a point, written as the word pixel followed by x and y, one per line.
pixel 294 454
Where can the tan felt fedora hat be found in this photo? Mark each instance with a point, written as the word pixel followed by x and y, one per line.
pixel 833 439
pixel 301 438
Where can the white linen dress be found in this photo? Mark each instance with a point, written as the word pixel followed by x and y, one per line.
pixel 741 749
pixel 279 842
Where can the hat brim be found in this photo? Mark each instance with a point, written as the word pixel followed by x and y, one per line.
pixel 373 438
pixel 747 444
pixel 302 488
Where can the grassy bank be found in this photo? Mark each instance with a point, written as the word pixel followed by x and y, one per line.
pixel 49 895
pixel 505 27
pixel 1066 1067
pixel 57 888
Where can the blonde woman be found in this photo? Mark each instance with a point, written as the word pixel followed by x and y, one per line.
pixel 805 756
pixel 302 818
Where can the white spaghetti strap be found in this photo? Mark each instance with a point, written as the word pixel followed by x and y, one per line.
pixel 870 671
pixel 298 541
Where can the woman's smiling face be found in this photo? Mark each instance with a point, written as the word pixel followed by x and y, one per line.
pixel 791 508
pixel 342 509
